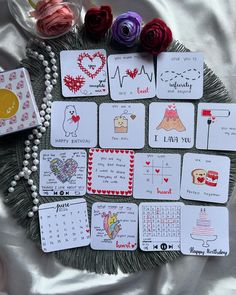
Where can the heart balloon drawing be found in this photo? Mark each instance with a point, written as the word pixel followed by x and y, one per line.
pixel 63 170
pixel 93 64
pixel 74 83
pixel 132 73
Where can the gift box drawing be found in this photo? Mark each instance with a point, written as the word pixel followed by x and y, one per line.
pixel 121 124
pixel 18 110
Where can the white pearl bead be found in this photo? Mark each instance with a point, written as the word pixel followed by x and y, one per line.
pixel 35 155
pixel 47 70
pixel 53 61
pixel 48 89
pixel 49 96
pixel 11 189
pixel 27 149
pixel 49 103
pixel 16 177
pixel 21 174
pixel 54 68
pixel 46 124
pixel 34 168
pixel 36 162
pixel 54 82
pixel 47 83
pixel 42 129
pixel 48 110
pixel 13 183
pixel 47 76
pixel 25 163
pixel 42 113
pixel 42 119
pixel 36 54
pixel 55 75
pixel 34 195
pixel 27 142
pixel 45 63
pixel 52 54
pixel 47 117
pixel 35 208
pixel 33 188
pixel 39 135
pixel 30 137
pixel 43 106
pixel 36 201
pixel 43 43
pixel 30 214
pixel 41 57
pixel 25 169
pixel 35 148
pixel 35 131
pixel 27 156
pixel 30 181
pixel 48 48
pixel 37 141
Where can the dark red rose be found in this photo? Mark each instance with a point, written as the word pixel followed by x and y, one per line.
pixel 155 36
pixel 98 20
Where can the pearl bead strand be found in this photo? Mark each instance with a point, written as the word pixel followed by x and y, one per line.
pixel 31 162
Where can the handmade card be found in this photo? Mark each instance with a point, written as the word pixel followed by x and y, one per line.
pixel 74 124
pixel 171 125
pixel 180 75
pixel 110 172
pixel 64 225
pixel 18 110
pixel 114 226
pixel 131 76
pixel 63 172
pixel 205 178
pixel 157 176
pixel 122 125
pixel 84 73
pixel 205 231
pixel 159 226
pixel 216 126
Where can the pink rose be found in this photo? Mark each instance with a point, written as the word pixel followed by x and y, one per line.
pixel 53 17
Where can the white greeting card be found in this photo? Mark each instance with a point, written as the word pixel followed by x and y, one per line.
pixel 114 226
pixel 18 110
pixel 64 225
pixel 131 76
pixel 216 126
pixel 180 75
pixel 110 172
pixel 63 172
pixel 160 226
pixel 84 73
pixel 122 125
pixel 157 176
pixel 205 231
pixel 205 178
pixel 74 124
pixel 171 125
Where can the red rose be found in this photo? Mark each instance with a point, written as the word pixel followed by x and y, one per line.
pixel 98 20
pixel 155 36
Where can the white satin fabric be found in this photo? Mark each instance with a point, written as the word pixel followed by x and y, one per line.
pixel 207 26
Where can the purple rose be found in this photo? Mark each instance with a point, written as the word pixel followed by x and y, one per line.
pixel 126 28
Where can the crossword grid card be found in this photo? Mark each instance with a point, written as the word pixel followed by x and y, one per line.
pixel 159 226
pixel 64 225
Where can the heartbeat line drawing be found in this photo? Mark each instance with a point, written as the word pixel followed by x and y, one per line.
pixel 122 78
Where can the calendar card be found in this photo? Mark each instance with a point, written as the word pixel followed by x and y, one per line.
pixel 110 172
pixel 131 76
pixel 63 172
pixel 64 225
pixel 157 176
pixel 114 226
pixel 205 178
pixel 122 125
pixel 159 226
pixel 205 231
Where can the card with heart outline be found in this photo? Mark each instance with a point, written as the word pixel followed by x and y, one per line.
pixel 119 123
pixel 180 75
pixel 205 231
pixel 159 226
pixel 84 73
pixel 74 124
pixel 110 172
pixel 205 178
pixel 131 76
pixel 216 126
pixel 157 176
pixel 64 225
pixel 63 172
pixel 114 226
pixel 171 125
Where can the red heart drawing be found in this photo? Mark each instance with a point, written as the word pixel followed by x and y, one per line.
pixel 131 157
pixel 90 173
pixel 122 192
pixel 89 188
pixel 94 191
pixel 108 192
pixel 112 192
pixel 131 73
pixel 200 179
pixel 133 245
pixel 92 70
pixel 89 178
pixel 87 230
pixel 166 179
pixel 157 170
pixel 74 84
pixel 75 118
pixel 112 151
pixel 90 162
pixel 104 191
pixel 117 192
pixel 89 183
pixel 148 163
pixel 99 191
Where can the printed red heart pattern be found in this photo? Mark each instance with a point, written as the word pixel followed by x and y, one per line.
pixel 91 70
pixel 132 73
pixel 74 83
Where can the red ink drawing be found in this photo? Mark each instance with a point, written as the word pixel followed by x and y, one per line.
pixel 74 84
pixel 131 73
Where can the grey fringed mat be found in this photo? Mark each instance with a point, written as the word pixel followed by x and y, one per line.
pixel 12 153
